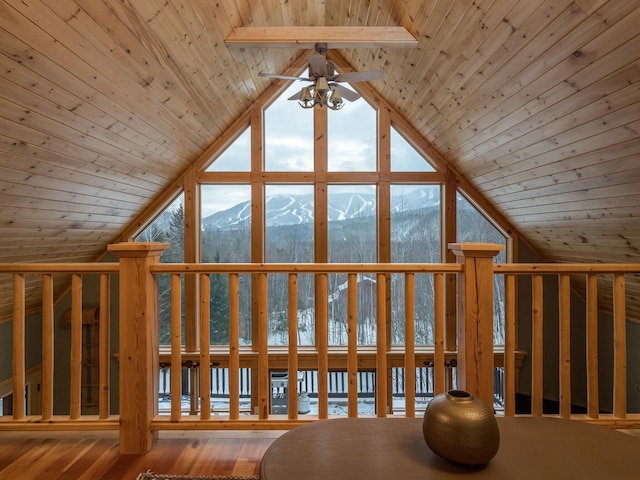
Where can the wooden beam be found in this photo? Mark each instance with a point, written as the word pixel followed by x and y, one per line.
pixel 334 37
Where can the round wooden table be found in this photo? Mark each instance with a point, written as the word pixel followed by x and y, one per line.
pixel 394 448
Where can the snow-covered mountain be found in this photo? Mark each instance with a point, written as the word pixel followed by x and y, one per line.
pixel 298 209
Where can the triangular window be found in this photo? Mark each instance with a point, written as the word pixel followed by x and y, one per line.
pixel 405 158
pixel 236 157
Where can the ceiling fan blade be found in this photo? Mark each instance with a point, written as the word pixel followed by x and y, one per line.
pixel 346 93
pixel 283 77
pixel 331 69
pixel 359 76
pixel 317 66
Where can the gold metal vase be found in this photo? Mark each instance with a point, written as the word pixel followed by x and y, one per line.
pixel 461 428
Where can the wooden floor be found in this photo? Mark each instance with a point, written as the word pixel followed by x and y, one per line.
pixel 95 455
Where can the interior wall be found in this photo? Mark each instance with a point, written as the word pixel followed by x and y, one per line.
pixel 578 345
pixel 33 348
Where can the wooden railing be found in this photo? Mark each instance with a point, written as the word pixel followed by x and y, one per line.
pixel 564 273
pixel 262 358
pixel 46 417
pixel 139 356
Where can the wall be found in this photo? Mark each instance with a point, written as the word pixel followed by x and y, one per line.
pixel 33 349
pixel 578 345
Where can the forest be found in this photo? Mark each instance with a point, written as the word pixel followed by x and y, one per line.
pixel 415 239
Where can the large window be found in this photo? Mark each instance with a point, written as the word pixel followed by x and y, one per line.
pixel 319 187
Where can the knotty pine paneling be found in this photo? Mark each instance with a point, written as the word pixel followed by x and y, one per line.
pixel 104 106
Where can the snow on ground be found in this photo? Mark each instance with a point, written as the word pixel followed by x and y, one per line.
pixel 366 406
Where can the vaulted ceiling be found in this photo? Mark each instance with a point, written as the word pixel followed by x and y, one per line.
pixel 105 103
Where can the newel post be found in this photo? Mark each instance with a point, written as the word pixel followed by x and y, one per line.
pixel 475 318
pixel 138 343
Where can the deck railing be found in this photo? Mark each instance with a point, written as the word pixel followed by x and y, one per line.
pixel 139 357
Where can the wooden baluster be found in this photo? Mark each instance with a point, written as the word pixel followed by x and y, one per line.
pixel 439 326
pixel 47 347
pixel 619 347
pixel 381 341
pixel 565 345
pixel 205 340
pixel 409 342
pixel 18 381
pixel 176 347
pixel 352 344
pixel 536 348
pixel 234 347
pixel 593 405
pixel 322 345
pixel 104 330
pixel 293 346
pixel 75 399
pixel 264 380
pixel 510 346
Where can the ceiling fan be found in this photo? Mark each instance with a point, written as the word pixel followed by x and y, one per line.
pixel 325 89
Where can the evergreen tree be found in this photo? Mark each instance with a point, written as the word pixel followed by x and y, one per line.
pixel 173 234
pixel 219 307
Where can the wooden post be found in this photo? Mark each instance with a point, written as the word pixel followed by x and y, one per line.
pixel 475 318
pixel 138 344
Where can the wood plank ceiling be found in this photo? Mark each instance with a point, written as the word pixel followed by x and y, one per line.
pixel 103 103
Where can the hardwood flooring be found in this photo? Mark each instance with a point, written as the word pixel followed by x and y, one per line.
pixel 95 455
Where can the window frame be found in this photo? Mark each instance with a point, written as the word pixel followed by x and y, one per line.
pixel 442 175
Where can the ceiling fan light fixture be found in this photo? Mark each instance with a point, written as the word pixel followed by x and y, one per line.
pixel 305 98
pixel 309 97
pixel 335 100
pixel 322 86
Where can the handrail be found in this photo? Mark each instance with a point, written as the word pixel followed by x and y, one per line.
pixel 556 268
pixel 297 268
pixel 68 268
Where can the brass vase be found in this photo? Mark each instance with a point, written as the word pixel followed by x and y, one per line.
pixel 461 428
